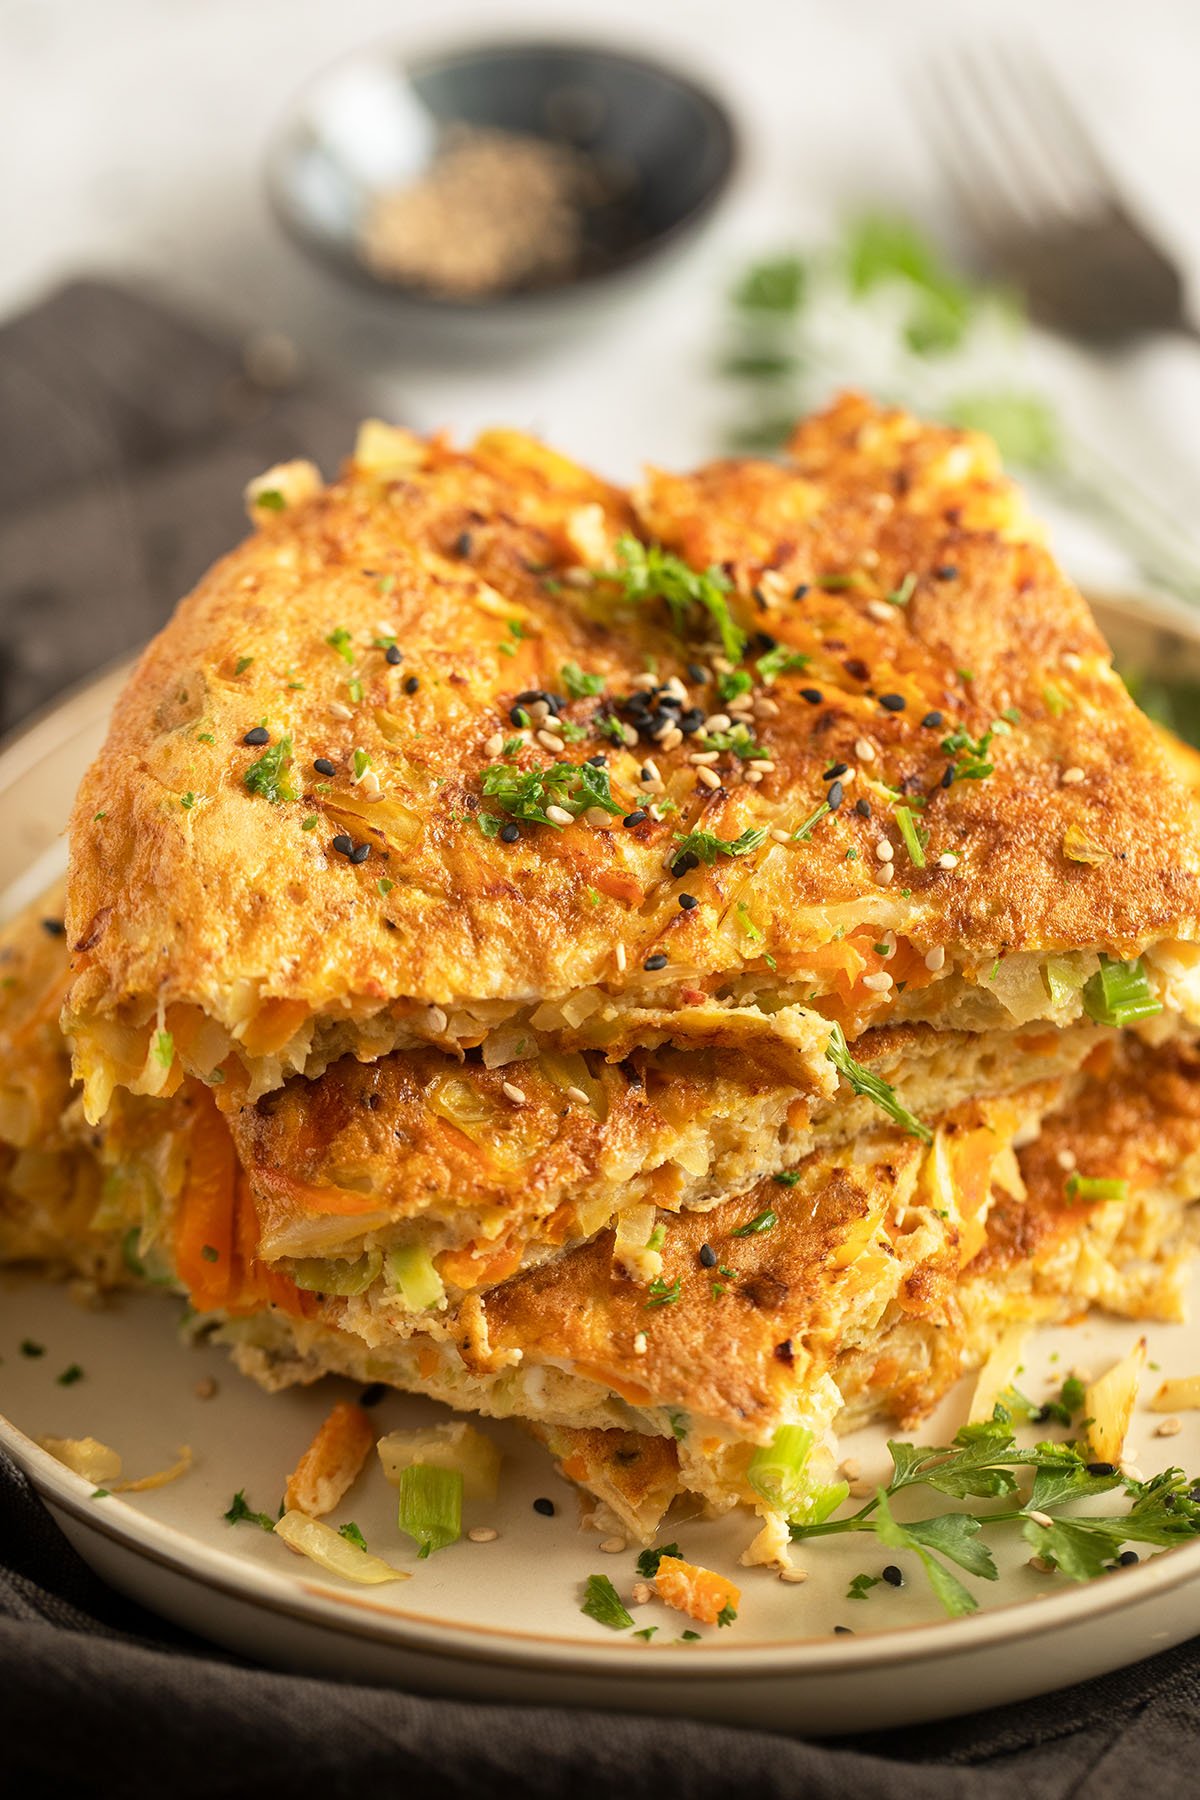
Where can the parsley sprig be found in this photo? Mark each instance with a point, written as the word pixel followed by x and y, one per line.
pixel 268 775
pixel 526 793
pixel 707 846
pixel 646 571
pixel 981 1463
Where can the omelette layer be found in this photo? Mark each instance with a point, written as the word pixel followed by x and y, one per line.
pixel 880 607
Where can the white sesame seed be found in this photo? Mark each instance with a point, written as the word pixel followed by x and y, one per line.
pixel 436 1020
pixel 577 1094
pixel 708 777
pixel 885 874
pixel 718 722
pixel 370 786
pixel 620 957
pixel 384 629
pixel 512 1092
pixel 1070 660
pixel 1041 1518
pixel 642 1593
pixel 850 774
pixel 880 610
pixel 483 1534
pixel 640 1344
pixel 597 817
pixel 495 744
pixel 340 710
pixel 671 738
pixel 558 815
pixel 650 771
pixel 935 959
pixel 1073 776
pixel 883 850
pixel 880 983
pixel 675 686
pixel 765 707
pixel 538 711
pixel 762 764
pixel 1169 1427
pixel 1066 1159
pixel 701 759
pixel 861 1490
pixel 630 736
pixel 864 750
pixel 753 776
pixel 549 741
pixel 1041 1565
pixel 778 836
pixel 793 1575
pixel 1130 1471
pixel 947 860
pixel 721 664
pixel 613 1546
pixel 851 1469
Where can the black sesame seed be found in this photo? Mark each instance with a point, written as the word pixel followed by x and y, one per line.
pixel 799 591
pixel 760 599
pixel 696 673
pixel 516 716
pixel 598 762
pixel 893 702
pixel 814 696
pixel 344 843
pixel 1127 1558
pixel 528 696
pixel 892 1575
pixel 834 770
pixel 863 808
pixel 54 928
pixel 394 654
pixel 260 735
pixel 1102 1468
pixel 688 902
pixel 932 720
pixel 708 1257
pixel 947 572
pixel 634 818
pixel 947 775
pixel 683 865
pixel 411 685
pixel 360 853
pixel 856 668
pixel 657 961
pixel 371 1396
pixel 323 766
pixel 646 774
pixel 692 721
pixel 835 796
pixel 842 1631
pixel 545 1507
pixel 462 544
pixel 509 834
pixel 764 642
pixel 784 1352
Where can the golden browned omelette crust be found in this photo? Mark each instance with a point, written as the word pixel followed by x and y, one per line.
pixel 196 898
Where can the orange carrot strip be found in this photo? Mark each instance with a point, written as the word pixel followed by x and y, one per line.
pixel 700 1593
pixel 204 1246
pixel 331 1462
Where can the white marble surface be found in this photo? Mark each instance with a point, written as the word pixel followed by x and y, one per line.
pixel 132 136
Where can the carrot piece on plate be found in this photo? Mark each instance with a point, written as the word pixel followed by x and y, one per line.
pixel 700 1593
pixel 332 1461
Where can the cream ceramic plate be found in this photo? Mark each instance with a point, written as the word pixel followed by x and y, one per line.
pixel 501 1620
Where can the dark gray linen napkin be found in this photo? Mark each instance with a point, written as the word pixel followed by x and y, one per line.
pixel 127 437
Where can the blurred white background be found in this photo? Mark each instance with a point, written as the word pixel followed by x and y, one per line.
pixel 132 134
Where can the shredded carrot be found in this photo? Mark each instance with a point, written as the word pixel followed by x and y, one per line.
pixel 700 1593
pixel 332 1461
pixel 204 1235
pixel 258 1284
pixel 274 1024
pixel 483 1267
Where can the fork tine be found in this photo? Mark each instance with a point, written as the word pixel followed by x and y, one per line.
pixel 1028 174
pixel 968 167
pixel 1039 90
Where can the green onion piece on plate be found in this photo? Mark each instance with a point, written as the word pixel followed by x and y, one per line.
pixel 431 1506
pixel 1118 993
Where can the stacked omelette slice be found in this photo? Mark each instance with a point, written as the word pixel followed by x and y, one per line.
pixel 660 967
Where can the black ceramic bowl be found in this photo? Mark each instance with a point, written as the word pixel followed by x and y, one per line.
pixel 372 122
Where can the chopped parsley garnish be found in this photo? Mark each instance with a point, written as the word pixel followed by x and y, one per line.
pixel 525 795
pixel 603 1603
pixel 727 1615
pixel 707 846
pixel 647 1632
pixel 648 1560
pixel 579 685
pixel 788 1177
pixel 339 639
pixel 268 776
pixel 610 727
pixel 164 1048
pixel 738 740
pixel 270 500
pixel 662 1293
pixel 968 754
pixel 762 1221
pixel 352 1534
pixel 243 663
pixel 735 683
pixel 903 594
pixel 309 824
pixel 861 1586
pixel 70 1375
pixel 873 1087
pixel 646 571
pixel 187 801
pixel 30 1349
pixel 240 1513
pixel 385 887
pixel 689 1637
pixel 1095 1187
pixel 780 661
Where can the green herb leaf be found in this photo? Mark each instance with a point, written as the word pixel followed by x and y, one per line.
pixel 861 1586
pixel 240 1513
pixel 603 1603
pixel 579 685
pixel 352 1534
pixel 340 640
pixel 648 1561
pixel 645 571
pixel 270 500
pixel 1095 1187
pixel 707 846
pixel 763 1221
pixel 873 1087
pixel 780 661
pixel 662 1293
pixel 268 777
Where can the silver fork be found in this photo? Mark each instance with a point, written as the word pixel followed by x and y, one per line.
pixel 1044 204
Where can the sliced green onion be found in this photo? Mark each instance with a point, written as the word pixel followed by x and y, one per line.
pixel 763 1221
pixel 411 1270
pixel 1096 1187
pixel 431 1506
pixel 776 1471
pixel 603 1603
pixel 325 1275
pixel 822 1502
pixel 813 818
pixel 1118 993
pixel 908 831
pixel 1063 980
pixel 873 1087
